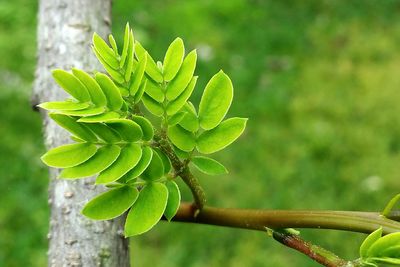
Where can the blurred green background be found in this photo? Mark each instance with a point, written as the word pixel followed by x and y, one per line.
pixel 319 81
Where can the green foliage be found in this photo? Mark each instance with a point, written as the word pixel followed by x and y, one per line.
pixel 116 142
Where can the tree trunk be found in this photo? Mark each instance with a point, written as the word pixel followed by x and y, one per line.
pixel 64 35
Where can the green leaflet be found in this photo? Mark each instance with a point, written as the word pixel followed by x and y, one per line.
pixel 110 90
pixel 173 59
pixel 129 64
pixel 83 112
pixel 127 129
pixel 113 44
pixel 105 51
pixel 128 158
pixel 145 125
pixel 105 133
pixel 95 92
pixel 140 92
pixel 126 45
pixel 216 100
pixel 221 136
pixel 154 91
pixel 138 75
pixel 71 85
pixel 189 122
pixel 147 154
pixel 73 127
pixel 176 118
pixel 181 138
pixel 380 247
pixel 183 77
pixel 165 160
pixel 104 117
pixel 103 158
pixel 151 67
pixel 111 204
pixel 208 165
pixel 174 200
pixel 116 75
pixel 147 210
pixel 63 105
pixel 174 106
pixel 152 106
pixel 69 155
pixel 372 238
pixel 155 170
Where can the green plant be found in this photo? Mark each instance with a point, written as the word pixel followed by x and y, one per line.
pixel 138 152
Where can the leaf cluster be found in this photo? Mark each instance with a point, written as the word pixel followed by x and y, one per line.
pixel 115 141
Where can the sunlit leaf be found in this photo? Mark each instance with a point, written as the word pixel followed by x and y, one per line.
pixel 105 133
pixel 138 75
pixel 113 43
pixel 175 105
pixel 151 67
pixel 183 77
pixel 372 238
pixel 125 48
pixel 105 51
pixel 165 160
pixel 104 117
pixel 69 155
pixel 63 105
pixel 147 210
pixel 83 112
pixel 115 74
pixel 127 129
pixel 103 158
pixel 71 85
pixel 73 127
pixel 140 92
pixel 174 200
pixel 221 136
pixel 129 64
pixel 176 118
pixel 379 248
pixel 155 170
pixel 208 165
pixel 182 138
pixel 145 125
pixel 154 91
pixel 216 100
pixel 110 90
pixel 95 92
pixel 189 122
pixel 127 159
pixel 147 154
pixel 152 105
pixel 173 59
pixel 111 204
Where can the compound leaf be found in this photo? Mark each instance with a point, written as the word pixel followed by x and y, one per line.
pixel 174 200
pixel 216 100
pixel 208 165
pixel 147 210
pixel 221 136
pixel 69 155
pixel 173 59
pixel 111 204
pixel 127 159
pixel 71 85
pixel 183 77
pixel 103 158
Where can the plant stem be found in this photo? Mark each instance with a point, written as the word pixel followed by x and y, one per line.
pixel 354 221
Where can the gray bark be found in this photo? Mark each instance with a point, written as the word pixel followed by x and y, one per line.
pixel 64 36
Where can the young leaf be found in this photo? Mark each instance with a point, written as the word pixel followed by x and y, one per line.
pixel 174 199
pixel 181 138
pixel 145 125
pixel 176 118
pixel 174 106
pixel 155 170
pixel 390 205
pixel 128 158
pixel 107 134
pixel 151 67
pixel 371 239
pixel 95 92
pixel 110 90
pixel 152 106
pixel 208 165
pixel 216 100
pixel 126 45
pixel 129 64
pixel 71 85
pixel 127 129
pixel 183 77
pixel 221 136
pixel 73 127
pixel 138 75
pixel 111 204
pixel 154 91
pixel 103 158
pixel 147 154
pixel 63 105
pixel 115 74
pixel 140 92
pixel 189 122
pixel 379 248
pixel 113 44
pixel 165 160
pixel 173 59
pixel 104 117
pixel 147 210
pixel 69 155
pixel 105 51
